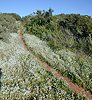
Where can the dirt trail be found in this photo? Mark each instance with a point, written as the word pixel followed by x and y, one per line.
pixel 75 87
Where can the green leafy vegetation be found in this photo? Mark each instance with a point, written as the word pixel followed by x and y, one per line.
pixel 63 41
pixel 7 25
pixel 14 15
pixel 70 31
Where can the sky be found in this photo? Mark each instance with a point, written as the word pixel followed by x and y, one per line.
pixel 27 7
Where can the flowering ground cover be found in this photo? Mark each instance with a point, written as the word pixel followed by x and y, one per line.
pixel 79 69
pixel 24 78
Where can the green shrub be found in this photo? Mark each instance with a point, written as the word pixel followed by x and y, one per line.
pixel 7 24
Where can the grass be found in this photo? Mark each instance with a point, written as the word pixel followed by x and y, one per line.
pixel 23 77
pixel 78 68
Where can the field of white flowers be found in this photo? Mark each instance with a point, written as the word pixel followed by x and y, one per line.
pixel 24 78
pixel 79 69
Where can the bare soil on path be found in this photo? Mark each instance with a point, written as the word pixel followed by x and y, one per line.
pixel 75 87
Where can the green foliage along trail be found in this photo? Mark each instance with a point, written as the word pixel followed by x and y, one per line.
pixel 71 31
pixel 70 39
pixel 55 42
pixel 64 61
pixel 23 77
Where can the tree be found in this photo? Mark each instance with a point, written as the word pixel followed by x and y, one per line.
pixel 39 12
pixel 50 11
pixel 34 13
pixel 46 14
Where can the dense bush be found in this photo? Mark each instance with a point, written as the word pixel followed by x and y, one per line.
pixel 14 15
pixel 7 24
pixel 71 31
pixel 81 27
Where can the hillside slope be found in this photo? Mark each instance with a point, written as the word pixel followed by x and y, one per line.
pixel 23 77
pixel 79 69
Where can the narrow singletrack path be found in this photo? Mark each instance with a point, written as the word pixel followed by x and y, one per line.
pixel 75 87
